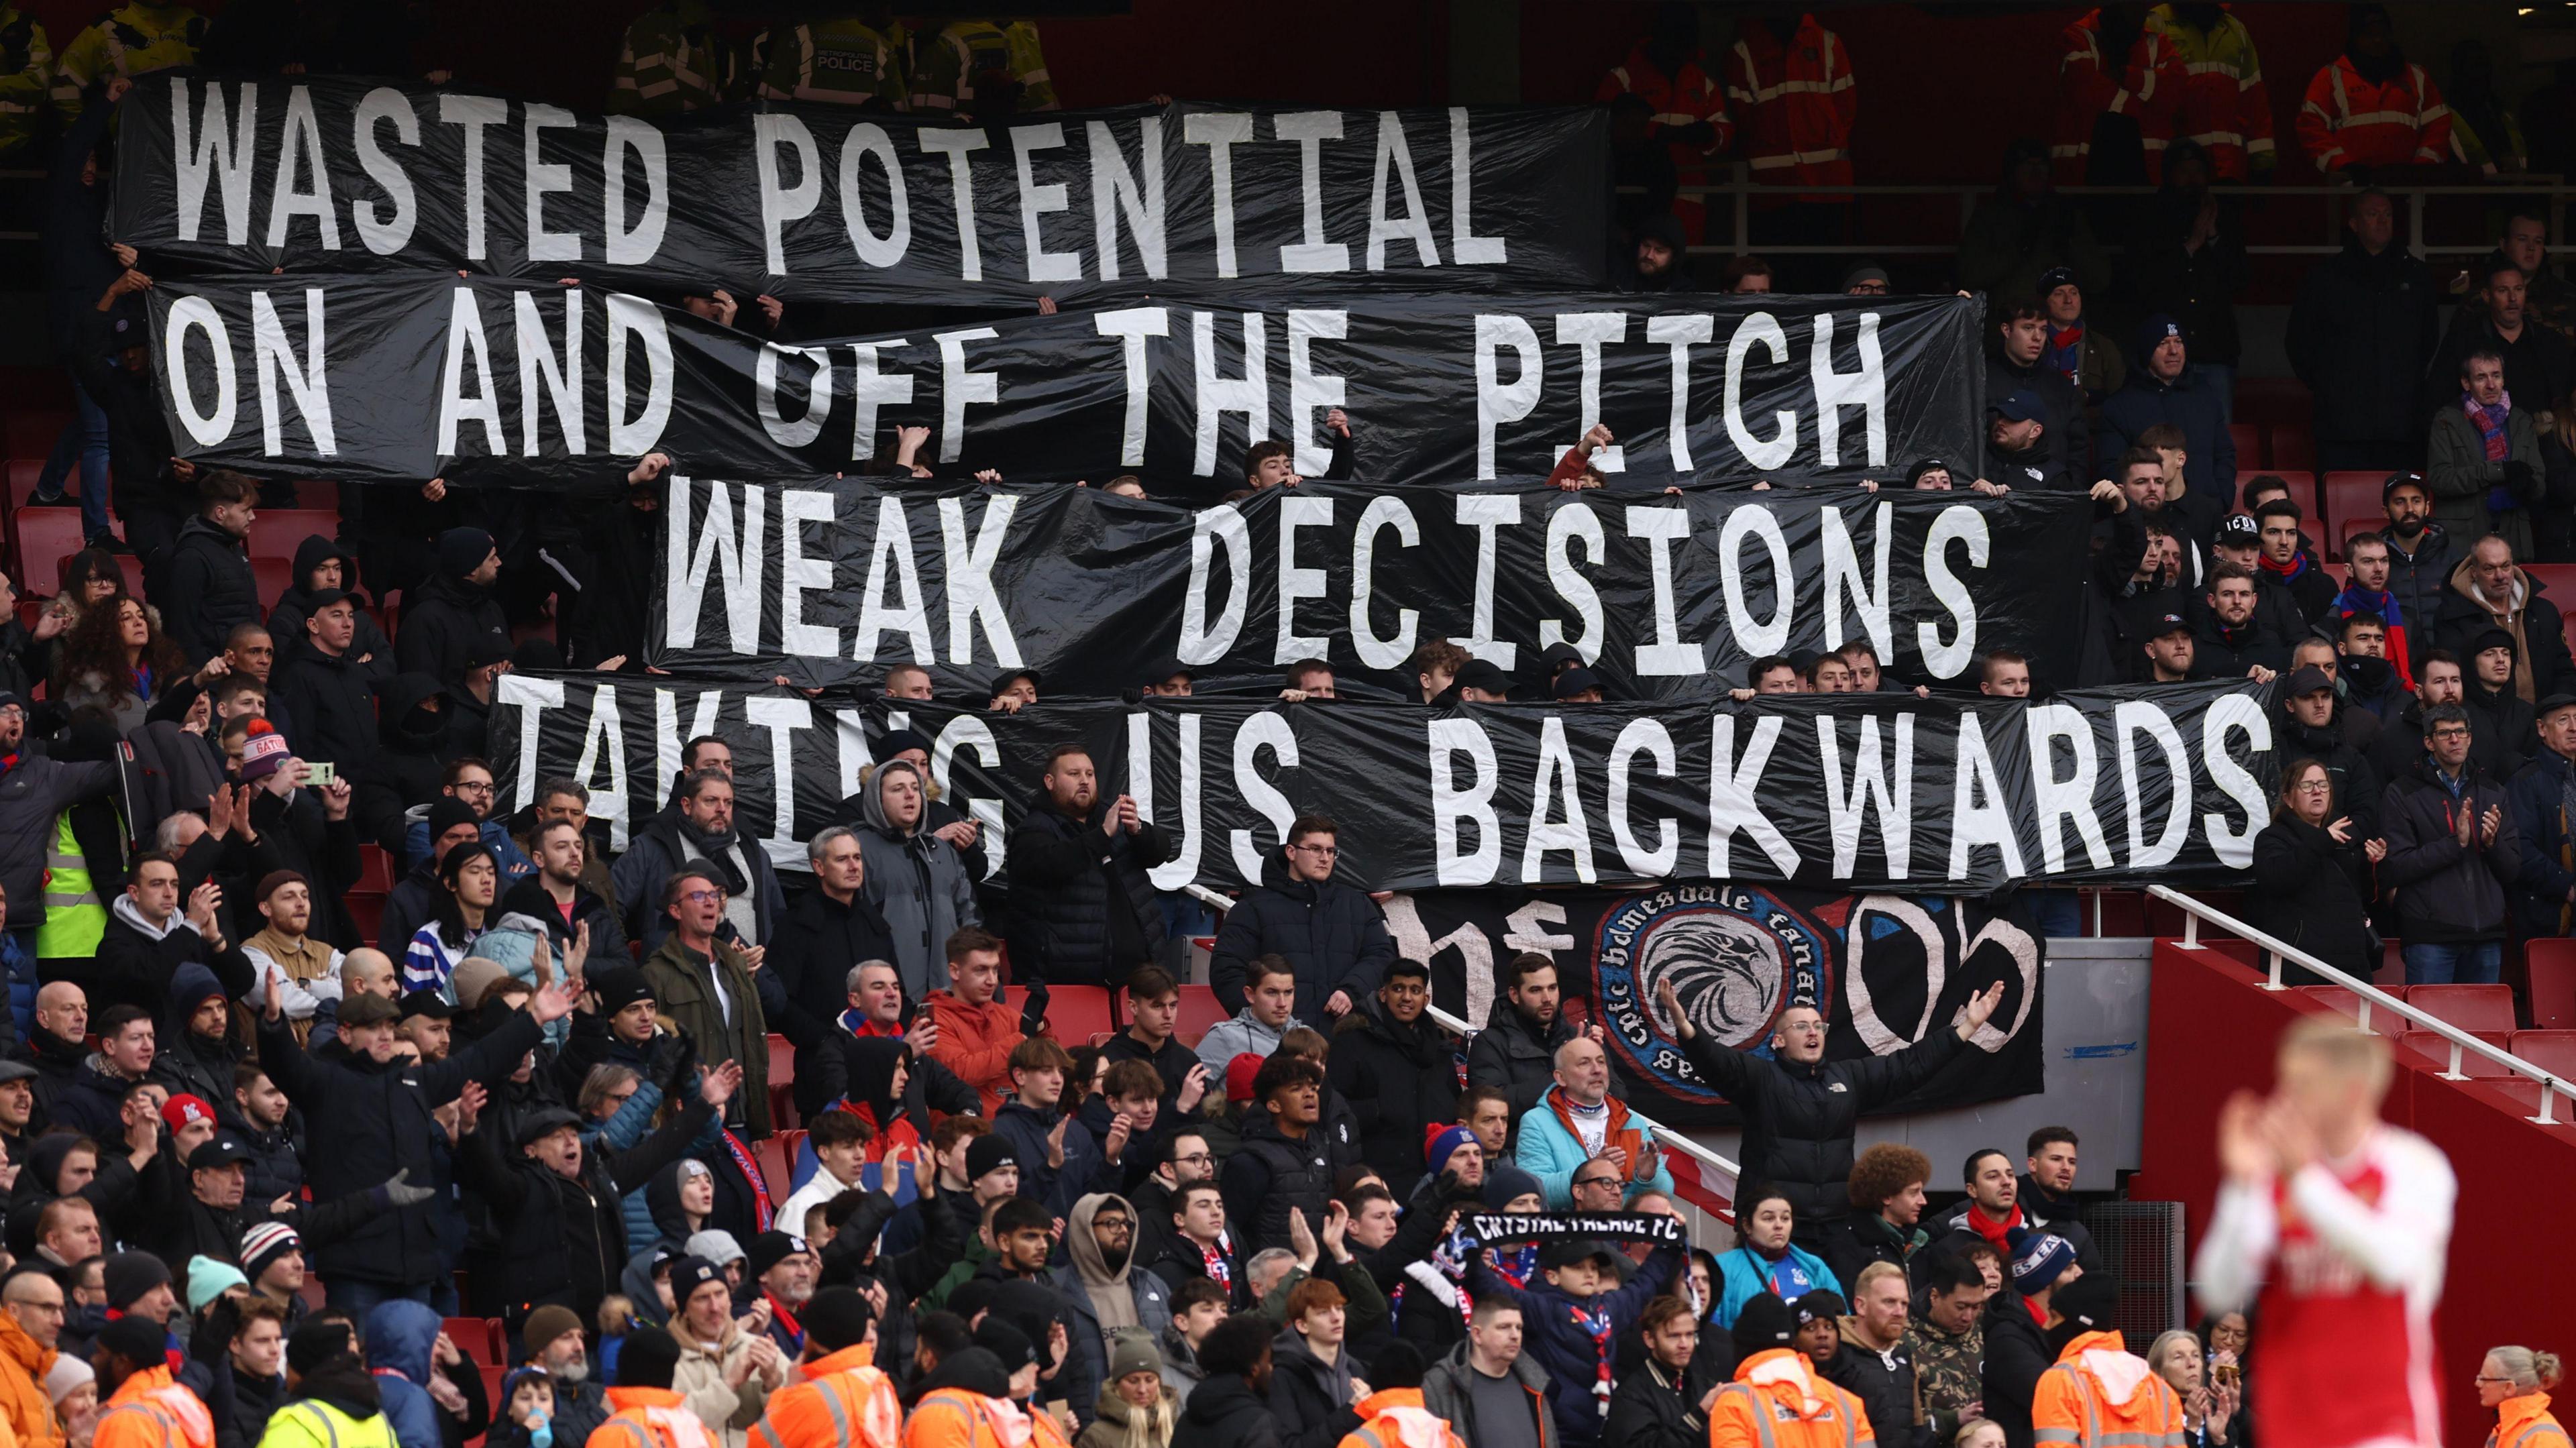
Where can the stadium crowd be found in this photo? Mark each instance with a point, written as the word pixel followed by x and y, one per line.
pixel 507 1165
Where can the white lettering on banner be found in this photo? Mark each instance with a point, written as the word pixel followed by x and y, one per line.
pixel 1671 654
pixel 1309 390
pixel 1980 814
pixel 2232 714
pixel 300 148
pixel 1295 583
pixel 1574 523
pixel 380 236
pixel 1485 513
pixel 1848 800
pixel 560 379
pixel 905 613
pixel 635 245
pixel 1114 191
pixel 1956 523
pixel 1566 829
pixel 213 156
pixel 970 733
pixel 781 718
pixel 605 738
pixel 1587 331
pixel 868 139
pixel 1131 326
pixel 1881 1036
pixel 633 317
pixel 1219 395
pixel 1037 200
pixel 685 565
pixel 1464 249
pixel 1182 868
pixel 1680 334
pixel 871 388
pixel 471 115
pixel 1375 652
pixel 972 599
pixel 532 697
pixel 544 176
pixel 1204 640
pixel 1393 154
pixel 1650 737
pixel 667 738
pixel 818 393
pixel 1497 403
pixel 1734 801
pixel 1763 330
pixel 957 146
pixel 1475 952
pixel 2061 799
pixel 2129 719
pixel 209 427
pixel 1220 133
pixel 850 732
pixel 1310 129
pixel 958 387
pixel 1772 635
pixel 307 383
pixel 1474 804
pixel 1842 566
pixel 1265 730
pixel 1865 389
pixel 457 406
pixel 798 573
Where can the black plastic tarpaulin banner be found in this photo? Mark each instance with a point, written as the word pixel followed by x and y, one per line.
pixel 484 380
pixel 1886 970
pixel 818 203
pixel 1667 598
pixel 1955 794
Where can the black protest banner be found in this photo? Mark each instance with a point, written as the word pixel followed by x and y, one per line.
pixel 1954 794
pixel 817 203
pixel 1653 1227
pixel 1886 970
pixel 484 380
pixel 1668 598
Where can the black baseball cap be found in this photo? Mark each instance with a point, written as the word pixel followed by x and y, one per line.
pixel 1484 674
pixel 2239 530
pixel 218 1150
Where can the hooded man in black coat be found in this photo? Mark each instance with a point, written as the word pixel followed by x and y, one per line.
pixel 2310 729
pixel 2015 362
pixel 1397 1071
pixel 1330 933
pixel 323 566
pixel 1083 909
pixel 824 936
pixel 454 607
pixel 206 582
pixel 1800 1112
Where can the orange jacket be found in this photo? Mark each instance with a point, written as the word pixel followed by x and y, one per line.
pixel 957 1418
pixel 2525 1422
pixel 2099 1392
pixel 975 1043
pixel 1684 98
pixel 2144 85
pixel 150 1411
pixel 2224 104
pixel 1796 106
pixel 1395 1418
pixel 23 1402
pixel 2347 121
pixel 844 1402
pixel 1777 1401
pixel 650 1418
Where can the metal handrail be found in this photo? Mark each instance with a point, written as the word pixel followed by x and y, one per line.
pixel 2276 951
pixel 1447 1022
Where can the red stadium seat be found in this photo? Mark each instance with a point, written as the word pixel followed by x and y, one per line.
pixel 375 871
pixel 1199 1011
pixel 2552 962
pixel 276 533
pixel 272 576
pixel 2290 447
pixel 473 1337
pixel 2340 997
pixel 782 1060
pixel 2552 1051
pixel 1075 1013
pixel 367 912
pixel 23 473
pixel 44 537
pixel 2559 579
pixel 776 1163
pixel 2466 1007
pixel 2248 437
pixel 2350 495
pixel 2430 1046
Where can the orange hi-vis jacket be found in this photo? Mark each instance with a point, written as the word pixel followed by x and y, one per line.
pixel 650 1418
pixel 2224 105
pixel 1684 98
pixel 1777 1401
pixel 2525 1422
pixel 2101 1395
pixel 2348 121
pixel 2145 85
pixel 1795 106
pixel 1395 1418
pixel 957 1418
pixel 844 1402
pixel 150 1411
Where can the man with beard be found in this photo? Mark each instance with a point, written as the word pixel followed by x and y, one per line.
pixel 1083 910
pixel 308 969
pixel 2233 640
pixel 1102 1282
pixel 1396 1070
pixel 2420 557
pixel 554 1342
pixel 2495 710
pixel 1516 1052
pixel 2489 589
pixel 700 834
pixel 1575 1125
pixel 2311 730
pixel 556 895
pixel 2439 680
pixel 2366 592
pixel 17 1106
pixel 2371 683
pixel 779 1270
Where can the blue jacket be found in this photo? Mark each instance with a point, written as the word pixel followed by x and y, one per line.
pixel 1564 1346
pixel 1547 1151
pixel 2191 402
pixel 401 1335
pixel 2540 890
pixel 21 965
pixel 515 863
pixel 1747 1276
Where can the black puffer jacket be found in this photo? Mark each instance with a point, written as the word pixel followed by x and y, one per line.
pixel 368 1121
pixel 1083 911
pixel 1270 1176
pixel 812 950
pixel 2446 894
pixel 1884 1385
pixel 2360 333
pixel 1332 933
pixel 1799 1119
pixel 286 620
pixel 439 620
pixel 564 1239
pixel 1397 1079
pixel 206 588
pixel 2017 1355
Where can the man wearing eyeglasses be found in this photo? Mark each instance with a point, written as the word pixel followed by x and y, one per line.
pixel 2453 847
pixel 1330 933
pixel 705 986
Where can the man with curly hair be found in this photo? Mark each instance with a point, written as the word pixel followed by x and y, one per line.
pixel 1885 1224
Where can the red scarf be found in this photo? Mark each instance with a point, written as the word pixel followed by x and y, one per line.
pixel 1212 1261
pixel 778 1313
pixel 2297 565
pixel 761 1209
pixel 1598 1324
pixel 1620 1134
pixel 1994 1231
